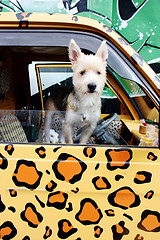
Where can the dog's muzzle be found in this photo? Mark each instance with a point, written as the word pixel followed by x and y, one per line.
pixel 92 87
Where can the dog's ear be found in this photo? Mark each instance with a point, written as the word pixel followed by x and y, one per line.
pixel 74 51
pixel 102 51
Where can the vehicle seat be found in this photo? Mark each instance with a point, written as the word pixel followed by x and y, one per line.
pixel 11 130
pixel 114 129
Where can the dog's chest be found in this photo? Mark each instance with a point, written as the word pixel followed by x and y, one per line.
pixel 84 118
pixel 86 113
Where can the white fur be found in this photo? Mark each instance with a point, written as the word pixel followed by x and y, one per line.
pixel 84 103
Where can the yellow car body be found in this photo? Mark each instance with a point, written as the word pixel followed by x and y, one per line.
pixel 60 191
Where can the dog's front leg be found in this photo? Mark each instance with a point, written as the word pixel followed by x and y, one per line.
pixel 68 132
pixel 86 133
pixel 47 126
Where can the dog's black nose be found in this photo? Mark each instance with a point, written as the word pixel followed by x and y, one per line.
pixel 92 87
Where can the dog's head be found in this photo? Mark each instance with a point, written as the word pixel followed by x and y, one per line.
pixel 89 71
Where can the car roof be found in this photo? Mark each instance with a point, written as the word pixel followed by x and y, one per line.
pixel 63 21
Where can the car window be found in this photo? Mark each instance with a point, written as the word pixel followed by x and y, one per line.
pixel 140 99
pixel 32 70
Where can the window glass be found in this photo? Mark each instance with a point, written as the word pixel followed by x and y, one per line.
pixel 140 99
pixel 20 126
pixel 51 75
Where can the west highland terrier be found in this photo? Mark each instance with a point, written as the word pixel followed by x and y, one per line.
pixel 83 103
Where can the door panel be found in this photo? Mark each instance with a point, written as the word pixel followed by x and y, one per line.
pixel 79 192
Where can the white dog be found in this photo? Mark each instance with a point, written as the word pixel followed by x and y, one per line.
pixel 83 103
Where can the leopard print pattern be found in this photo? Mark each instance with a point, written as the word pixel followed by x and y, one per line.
pixel 66 192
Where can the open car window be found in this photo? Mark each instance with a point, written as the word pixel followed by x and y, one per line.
pixel 36 69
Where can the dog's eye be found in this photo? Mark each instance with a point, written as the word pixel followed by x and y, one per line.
pixel 98 72
pixel 82 72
